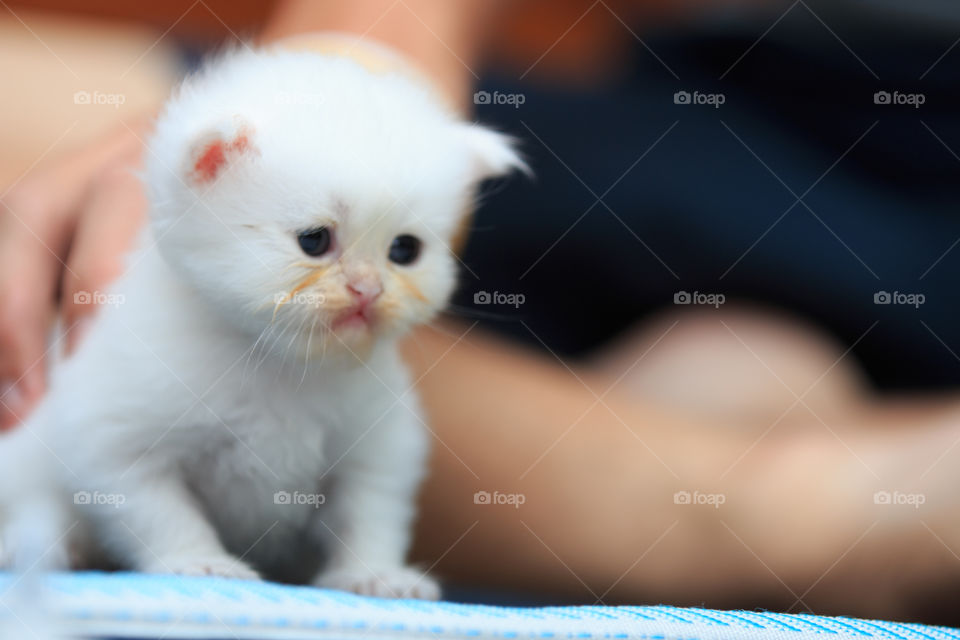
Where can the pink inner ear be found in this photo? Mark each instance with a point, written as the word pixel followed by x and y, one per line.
pixel 215 154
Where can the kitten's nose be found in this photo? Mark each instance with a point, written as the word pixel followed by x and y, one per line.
pixel 365 290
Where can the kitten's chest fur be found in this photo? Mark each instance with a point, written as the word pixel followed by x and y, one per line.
pixel 262 433
pixel 262 471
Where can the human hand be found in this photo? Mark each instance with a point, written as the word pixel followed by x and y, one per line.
pixel 63 232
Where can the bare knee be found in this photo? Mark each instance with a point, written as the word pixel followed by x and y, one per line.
pixel 740 363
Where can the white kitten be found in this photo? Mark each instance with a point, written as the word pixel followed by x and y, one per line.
pixel 241 407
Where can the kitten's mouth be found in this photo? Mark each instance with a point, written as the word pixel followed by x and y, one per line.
pixel 356 317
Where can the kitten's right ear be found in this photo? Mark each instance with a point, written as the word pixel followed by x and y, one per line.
pixel 213 153
pixel 493 152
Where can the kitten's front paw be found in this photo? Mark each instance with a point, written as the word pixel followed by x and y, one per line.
pixel 400 582
pixel 220 566
pixel 55 557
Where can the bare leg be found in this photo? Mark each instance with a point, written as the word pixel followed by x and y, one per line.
pixel 738 364
pixel 600 474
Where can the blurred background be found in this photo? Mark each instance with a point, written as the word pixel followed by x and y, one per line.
pixel 598 81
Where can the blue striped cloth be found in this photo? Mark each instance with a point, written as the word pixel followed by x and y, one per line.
pixel 126 605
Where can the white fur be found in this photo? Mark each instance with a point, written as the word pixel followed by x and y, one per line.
pixel 202 393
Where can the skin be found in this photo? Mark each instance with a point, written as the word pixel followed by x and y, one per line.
pixel 798 528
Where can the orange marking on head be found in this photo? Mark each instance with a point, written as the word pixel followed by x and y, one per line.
pixel 241 143
pixel 215 154
pixel 210 161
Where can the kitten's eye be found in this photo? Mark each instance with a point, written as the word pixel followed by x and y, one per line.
pixel 405 249
pixel 315 242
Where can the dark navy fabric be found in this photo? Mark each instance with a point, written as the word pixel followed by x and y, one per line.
pixel 700 213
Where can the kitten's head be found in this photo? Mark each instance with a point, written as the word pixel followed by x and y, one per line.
pixel 308 197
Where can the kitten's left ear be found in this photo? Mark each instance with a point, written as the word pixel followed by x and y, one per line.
pixel 493 152
pixel 216 150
